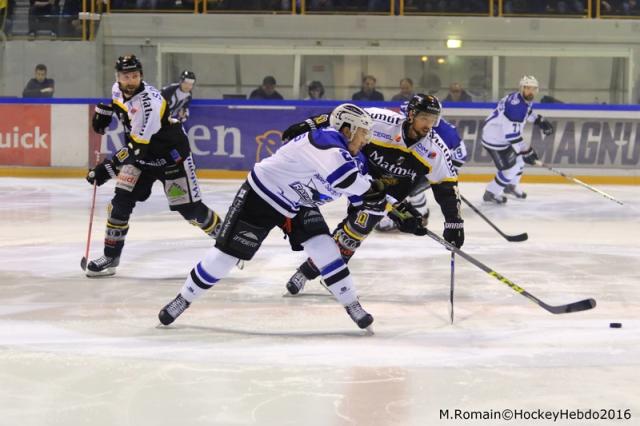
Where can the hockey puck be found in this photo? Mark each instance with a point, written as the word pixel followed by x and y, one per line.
pixel 615 325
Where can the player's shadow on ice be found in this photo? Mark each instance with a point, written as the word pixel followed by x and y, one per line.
pixel 283 333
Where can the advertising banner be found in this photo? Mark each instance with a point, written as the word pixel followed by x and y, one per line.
pixel 234 137
pixel 25 135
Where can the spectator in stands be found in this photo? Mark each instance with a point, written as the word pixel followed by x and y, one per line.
pixel 267 90
pixel 40 86
pixel 630 7
pixel 368 91
pixel 315 91
pixel 457 94
pixel 37 10
pixel 406 90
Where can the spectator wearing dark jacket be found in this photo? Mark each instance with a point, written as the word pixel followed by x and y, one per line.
pixel 267 90
pixel 368 91
pixel 40 86
pixel 457 94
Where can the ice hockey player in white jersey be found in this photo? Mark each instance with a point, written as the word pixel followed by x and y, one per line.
pixel 403 150
pixel 157 148
pixel 418 196
pixel 502 137
pixel 285 190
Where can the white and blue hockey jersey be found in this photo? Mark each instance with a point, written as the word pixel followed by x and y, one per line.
pixel 505 125
pixel 313 169
pixel 454 142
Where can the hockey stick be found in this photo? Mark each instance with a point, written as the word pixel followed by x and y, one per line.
pixel 578 181
pixel 453 265
pixel 83 262
pixel 581 305
pixel 512 238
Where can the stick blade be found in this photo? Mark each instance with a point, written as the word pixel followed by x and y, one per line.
pixel 583 305
pixel 83 263
pixel 517 238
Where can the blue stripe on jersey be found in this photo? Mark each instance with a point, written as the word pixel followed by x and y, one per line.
pixel 205 275
pixel 512 135
pixel 270 194
pixel 341 172
pixel 332 267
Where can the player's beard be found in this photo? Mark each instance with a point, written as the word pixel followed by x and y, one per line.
pixel 421 133
pixel 129 90
pixel 529 97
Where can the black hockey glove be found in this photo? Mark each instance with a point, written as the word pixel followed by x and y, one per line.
pixel 101 118
pixel 530 156
pixel 454 232
pixel 101 173
pixel 544 125
pixel 376 197
pixel 408 219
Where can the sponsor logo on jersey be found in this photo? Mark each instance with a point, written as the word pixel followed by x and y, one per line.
pixel 382 135
pixel 309 194
pixel 386 118
pixel 431 155
pixel 147 108
pixel 394 169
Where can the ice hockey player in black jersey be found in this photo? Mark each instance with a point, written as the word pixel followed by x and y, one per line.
pixel 178 96
pixel 156 149
pixel 403 149
pixel 284 191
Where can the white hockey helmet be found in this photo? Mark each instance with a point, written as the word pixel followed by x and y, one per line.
pixel 528 81
pixel 352 116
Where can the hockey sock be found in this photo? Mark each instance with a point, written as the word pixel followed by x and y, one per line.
pixel 323 251
pixel 419 202
pixel 114 237
pixel 215 266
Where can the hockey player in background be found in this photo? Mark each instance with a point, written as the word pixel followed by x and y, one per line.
pixel 502 137
pixel 178 96
pixel 156 149
pixel 418 196
pixel 404 149
pixel 285 190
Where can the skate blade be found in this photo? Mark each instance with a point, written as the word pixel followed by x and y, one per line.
pixel 106 273
pixel 240 264
pixel 369 331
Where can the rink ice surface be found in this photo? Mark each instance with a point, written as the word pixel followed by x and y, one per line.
pixel 79 351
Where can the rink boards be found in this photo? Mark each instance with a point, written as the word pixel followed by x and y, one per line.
pixel 54 138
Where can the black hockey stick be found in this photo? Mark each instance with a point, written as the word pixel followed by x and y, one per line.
pixel 579 182
pixel 581 305
pixel 453 270
pixel 83 262
pixel 511 238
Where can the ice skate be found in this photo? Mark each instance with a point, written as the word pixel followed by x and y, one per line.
pixel 493 198
pixel 173 310
pixel 296 283
pixel 359 315
pixel 103 266
pixel 513 190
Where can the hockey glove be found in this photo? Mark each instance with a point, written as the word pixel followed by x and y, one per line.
pixel 102 118
pixel 530 156
pixel 454 232
pixel 544 125
pixel 101 173
pixel 375 198
pixel 407 219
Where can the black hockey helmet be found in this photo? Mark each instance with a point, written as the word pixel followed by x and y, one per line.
pixel 424 103
pixel 128 63
pixel 187 75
